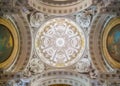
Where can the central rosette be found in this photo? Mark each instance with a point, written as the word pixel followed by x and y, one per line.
pixel 60 42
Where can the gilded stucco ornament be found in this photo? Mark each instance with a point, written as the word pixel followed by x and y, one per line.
pixel 83 19
pixel 35 67
pixel 60 42
pixel 83 65
pixel 36 18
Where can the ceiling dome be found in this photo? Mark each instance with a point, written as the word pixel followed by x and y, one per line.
pixel 60 42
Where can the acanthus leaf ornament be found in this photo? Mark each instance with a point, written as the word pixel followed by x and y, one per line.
pixel 35 67
pixel 83 66
pixel 83 19
pixel 36 18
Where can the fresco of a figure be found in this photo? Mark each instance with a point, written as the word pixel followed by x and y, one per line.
pixel 113 43
pixel 6 43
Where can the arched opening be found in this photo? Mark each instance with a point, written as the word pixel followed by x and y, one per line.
pixel 60 85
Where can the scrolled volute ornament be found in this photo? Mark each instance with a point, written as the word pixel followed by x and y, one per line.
pixel 35 67
pixel 83 66
pixel 36 18
pixel 83 19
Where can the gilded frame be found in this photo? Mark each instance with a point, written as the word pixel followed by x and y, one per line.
pixel 6 22
pixel 112 23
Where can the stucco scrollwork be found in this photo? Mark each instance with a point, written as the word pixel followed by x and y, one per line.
pixel 35 67
pixel 83 65
pixel 83 19
pixel 36 18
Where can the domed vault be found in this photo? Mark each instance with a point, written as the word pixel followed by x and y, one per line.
pixel 59 42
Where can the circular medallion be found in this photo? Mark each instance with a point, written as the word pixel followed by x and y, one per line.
pixel 9 43
pixel 60 42
pixel 6 43
pixel 111 42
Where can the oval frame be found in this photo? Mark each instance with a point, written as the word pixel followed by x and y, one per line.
pixel 112 23
pixel 10 26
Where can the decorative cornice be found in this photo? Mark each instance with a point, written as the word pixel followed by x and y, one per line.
pixel 60 9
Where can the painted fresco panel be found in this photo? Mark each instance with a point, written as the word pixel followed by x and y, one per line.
pixel 6 43
pixel 113 43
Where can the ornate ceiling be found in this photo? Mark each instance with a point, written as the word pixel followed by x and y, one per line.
pixel 59 42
